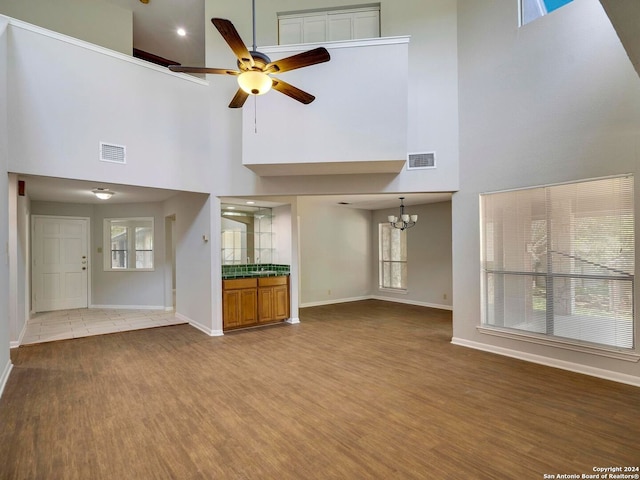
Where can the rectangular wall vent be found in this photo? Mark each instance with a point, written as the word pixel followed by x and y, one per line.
pixel 417 161
pixel 112 153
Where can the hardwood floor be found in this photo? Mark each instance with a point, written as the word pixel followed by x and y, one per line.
pixel 366 390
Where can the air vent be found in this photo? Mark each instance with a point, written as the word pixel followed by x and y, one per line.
pixel 112 153
pixel 417 161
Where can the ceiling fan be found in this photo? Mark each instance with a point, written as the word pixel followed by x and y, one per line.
pixel 254 68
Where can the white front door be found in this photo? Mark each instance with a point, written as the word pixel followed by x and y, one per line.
pixel 60 263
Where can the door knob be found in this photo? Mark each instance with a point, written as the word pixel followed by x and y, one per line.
pixel 84 268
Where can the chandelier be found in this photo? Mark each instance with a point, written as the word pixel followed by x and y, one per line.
pixel 405 220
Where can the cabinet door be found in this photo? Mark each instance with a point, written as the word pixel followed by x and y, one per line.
pixel 248 306
pixel 281 302
pixel 231 308
pixel 239 308
pixel 265 304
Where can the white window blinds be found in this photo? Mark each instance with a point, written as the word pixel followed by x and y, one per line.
pixel 559 261
pixel 392 256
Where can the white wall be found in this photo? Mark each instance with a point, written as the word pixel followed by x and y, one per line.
pixel 198 298
pixel 432 119
pixel 89 95
pixel 554 101
pixel 97 22
pixel 118 289
pixel 333 134
pixel 283 235
pixel 124 289
pixel 19 261
pixel 429 271
pixel 335 252
pixel 5 336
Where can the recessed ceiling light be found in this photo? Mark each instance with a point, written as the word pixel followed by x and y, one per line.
pixel 181 31
pixel 250 202
pixel 231 207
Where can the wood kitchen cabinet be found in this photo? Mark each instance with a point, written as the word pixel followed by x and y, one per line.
pixel 254 301
pixel 239 302
pixel 273 299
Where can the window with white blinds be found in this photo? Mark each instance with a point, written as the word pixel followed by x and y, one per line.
pixel 558 261
pixel 392 256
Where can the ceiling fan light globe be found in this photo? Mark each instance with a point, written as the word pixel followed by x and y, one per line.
pixel 254 82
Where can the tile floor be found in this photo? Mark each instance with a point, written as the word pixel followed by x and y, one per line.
pixel 83 322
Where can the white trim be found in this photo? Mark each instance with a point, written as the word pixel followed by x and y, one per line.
pixel 365 42
pixel 199 326
pixel 98 49
pixel 130 307
pixel 292 321
pixel 398 291
pixel 5 376
pixel 414 302
pixel 568 182
pixel 368 7
pixel 550 362
pixel 559 343
pixel 17 343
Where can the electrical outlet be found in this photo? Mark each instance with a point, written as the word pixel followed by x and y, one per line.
pixel 444 296
pixel 328 292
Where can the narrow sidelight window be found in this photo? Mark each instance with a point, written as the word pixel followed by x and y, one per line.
pixel 392 257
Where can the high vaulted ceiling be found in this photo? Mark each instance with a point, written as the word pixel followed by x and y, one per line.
pixel 155 25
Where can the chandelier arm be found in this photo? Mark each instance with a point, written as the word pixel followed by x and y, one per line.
pixel 404 221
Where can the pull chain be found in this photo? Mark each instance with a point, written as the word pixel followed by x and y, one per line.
pixel 255 114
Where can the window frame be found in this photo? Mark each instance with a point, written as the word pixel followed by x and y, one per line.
pixel 131 223
pixel 629 353
pixel 542 10
pixel 402 263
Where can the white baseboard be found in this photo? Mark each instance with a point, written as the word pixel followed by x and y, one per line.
pixel 199 326
pixel 17 343
pixel 550 362
pixel 5 376
pixel 413 302
pixel 292 321
pixel 130 307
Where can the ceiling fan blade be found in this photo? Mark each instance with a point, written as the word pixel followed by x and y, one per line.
pixel 293 92
pixel 233 39
pixel 239 99
pixel 304 59
pixel 217 71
